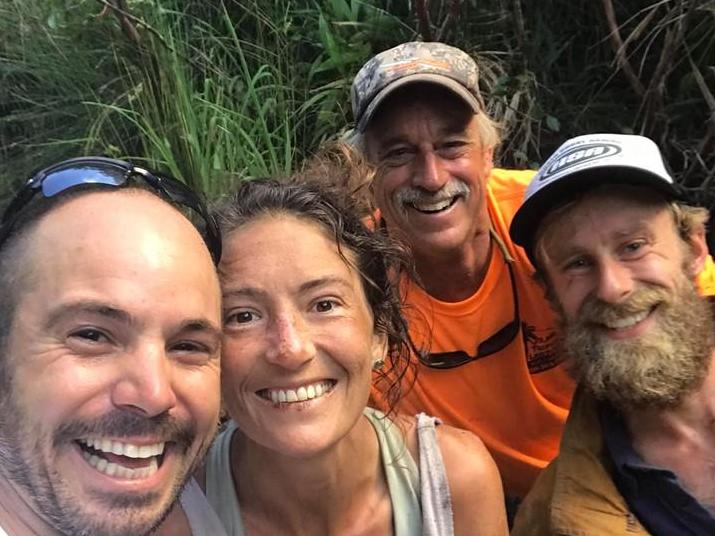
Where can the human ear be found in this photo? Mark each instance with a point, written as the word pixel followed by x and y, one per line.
pixel 697 243
pixel 488 160
pixel 379 350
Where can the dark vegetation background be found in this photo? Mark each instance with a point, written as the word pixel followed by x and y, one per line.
pixel 217 90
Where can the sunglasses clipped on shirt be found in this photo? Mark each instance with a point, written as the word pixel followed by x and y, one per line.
pixel 495 343
pixel 109 172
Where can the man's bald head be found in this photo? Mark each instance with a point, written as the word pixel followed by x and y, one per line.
pixel 110 362
pixel 62 228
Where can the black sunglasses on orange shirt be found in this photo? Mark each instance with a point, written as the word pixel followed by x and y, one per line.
pixel 495 343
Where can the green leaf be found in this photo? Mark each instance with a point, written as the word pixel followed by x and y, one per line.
pixel 553 124
pixel 53 21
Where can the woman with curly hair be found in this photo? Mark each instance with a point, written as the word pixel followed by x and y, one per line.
pixel 312 314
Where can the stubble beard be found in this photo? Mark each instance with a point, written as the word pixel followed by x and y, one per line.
pixel 657 369
pixel 24 460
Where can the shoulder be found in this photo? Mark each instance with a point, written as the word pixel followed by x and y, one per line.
pixel 534 514
pixel 466 459
pixel 505 194
pixel 474 483
pixel 510 182
pixel 706 278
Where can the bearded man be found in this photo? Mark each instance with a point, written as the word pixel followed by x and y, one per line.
pixel 619 255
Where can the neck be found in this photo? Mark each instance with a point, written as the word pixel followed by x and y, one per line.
pixel 682 438
pixel 17 512
pixel 315 492
pixel 455 276
pixel 695 412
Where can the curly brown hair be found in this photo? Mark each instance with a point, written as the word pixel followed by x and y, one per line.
pixel 320 194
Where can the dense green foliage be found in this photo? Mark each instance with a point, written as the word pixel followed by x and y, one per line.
pixel 213 90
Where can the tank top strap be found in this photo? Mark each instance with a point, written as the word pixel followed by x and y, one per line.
pixel 220 490
pixel 201 516
pixel 437 516
pixel 403 480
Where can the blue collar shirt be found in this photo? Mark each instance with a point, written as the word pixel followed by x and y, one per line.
pixel 654 494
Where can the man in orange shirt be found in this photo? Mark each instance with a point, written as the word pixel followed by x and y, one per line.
pixel 489 364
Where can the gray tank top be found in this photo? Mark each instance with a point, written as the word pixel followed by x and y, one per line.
pixel 202 519
pixel 420 506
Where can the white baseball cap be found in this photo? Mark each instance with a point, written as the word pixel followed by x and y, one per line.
pixel 582 163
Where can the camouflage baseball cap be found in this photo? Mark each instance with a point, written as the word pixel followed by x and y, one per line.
pixel 414 62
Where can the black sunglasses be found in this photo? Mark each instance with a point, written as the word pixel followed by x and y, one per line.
pixel 85 171
pixel 497 342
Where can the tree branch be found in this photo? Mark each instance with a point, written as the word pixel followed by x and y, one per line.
pixel 620 50
pixel 423 19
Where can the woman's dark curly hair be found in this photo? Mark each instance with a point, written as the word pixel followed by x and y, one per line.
pixel 313 195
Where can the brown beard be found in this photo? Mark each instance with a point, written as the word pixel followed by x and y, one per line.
pixel 656 369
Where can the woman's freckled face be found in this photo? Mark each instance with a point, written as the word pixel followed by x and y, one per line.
pixel 296 323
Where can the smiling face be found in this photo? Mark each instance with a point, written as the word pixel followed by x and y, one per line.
pixel 433 166
pixel 299 340
pixel 623 280
pixel 114 357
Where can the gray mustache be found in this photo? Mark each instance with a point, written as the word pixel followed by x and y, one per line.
pixel 411 194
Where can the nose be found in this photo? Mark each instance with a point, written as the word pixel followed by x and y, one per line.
pixel 430 173
pixel 615 281
pixel 290 343
pixel 146 386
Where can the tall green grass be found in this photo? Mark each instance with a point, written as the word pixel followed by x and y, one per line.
pixel 222 90
pixel 53 60
pixel 200 108
pixel 213 92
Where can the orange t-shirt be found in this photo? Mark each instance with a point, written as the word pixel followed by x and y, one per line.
pixel 515 400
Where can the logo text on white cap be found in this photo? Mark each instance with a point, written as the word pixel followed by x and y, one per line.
pixel 579 155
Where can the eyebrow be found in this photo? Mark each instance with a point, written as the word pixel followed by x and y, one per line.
pixel 637 227
pixel 324 281
pixel 110 312
pixel 253 292
pixel 388 144
pixel 88 307
pixel 201 325
pixel 561 256
pixel 448 130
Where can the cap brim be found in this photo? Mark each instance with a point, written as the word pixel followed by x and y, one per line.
pixel 444 81
pixel 527 219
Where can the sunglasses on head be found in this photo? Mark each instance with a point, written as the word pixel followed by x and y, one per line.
pixel 109 172
pixel 495 343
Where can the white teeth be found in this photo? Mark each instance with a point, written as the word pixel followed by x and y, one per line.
pixel 623 323
pixel 111 469
pixel 147 451
pixel 120 471
pixel 102 464
pixel 433 207
pixel 304 392
pixel 119 448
